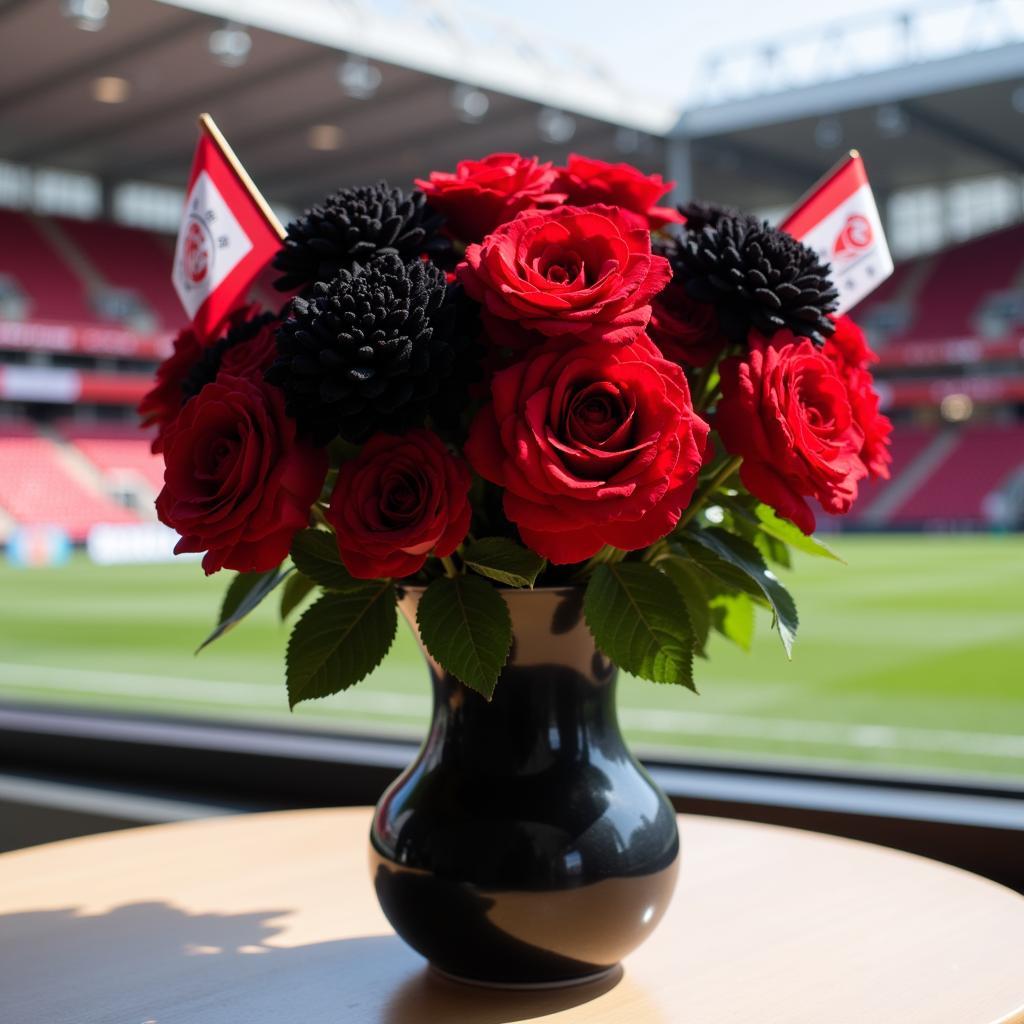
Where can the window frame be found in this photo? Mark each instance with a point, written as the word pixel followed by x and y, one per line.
pixel 974 824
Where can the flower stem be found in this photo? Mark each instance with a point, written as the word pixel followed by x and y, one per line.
pixel 449 566
pixel 723 473
pixel 319 515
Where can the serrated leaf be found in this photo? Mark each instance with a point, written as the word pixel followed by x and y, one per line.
pixel 244 593
pixel 721 575
pixel 315 554
pixel 501 559
pixel 296 589
pixel 792 535
pixel 693 589
pixel 732 615
pixel 639 621
pixel 465 625
pixel 340 639
pixel 743 556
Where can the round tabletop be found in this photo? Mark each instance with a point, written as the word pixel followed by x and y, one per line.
pixel 271 919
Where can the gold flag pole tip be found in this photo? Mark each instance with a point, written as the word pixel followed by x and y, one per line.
pixel 208 125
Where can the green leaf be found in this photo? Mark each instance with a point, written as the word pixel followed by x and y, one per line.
pixel 244 593
pixel 465 625
pixel 296 590
pixel 720 574
pixel 340 639
pixel 784 530
pixel 693 587
pixel 315 554
pixel 773 549
pixel 745 558
pixel 638 619
pixel 503 560
pixel 732 615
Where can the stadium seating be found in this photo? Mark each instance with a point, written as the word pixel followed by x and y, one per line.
pixel 132 259
pixel 982 460
pixel 117 451
pixel 54 291
pixel 907 444
pixel 37 488
pixel 945 293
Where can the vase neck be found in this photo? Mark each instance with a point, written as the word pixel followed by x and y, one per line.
pixel 554 699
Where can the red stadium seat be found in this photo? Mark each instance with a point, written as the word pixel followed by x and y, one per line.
pixel 54 291
pixel 37 489
pixel 983 459
pixel 132 259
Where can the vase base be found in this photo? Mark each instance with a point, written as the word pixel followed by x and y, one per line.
pixel 528 986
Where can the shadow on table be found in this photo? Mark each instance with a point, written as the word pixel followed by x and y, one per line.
pixel 153 963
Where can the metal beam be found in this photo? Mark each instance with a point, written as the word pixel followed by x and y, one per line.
pixel 402 171
pixel 435 50
pixel 48 81
pixel 295 122
pixel 790 171
pixel 191 104
pixel 965 135
pixel 1003 63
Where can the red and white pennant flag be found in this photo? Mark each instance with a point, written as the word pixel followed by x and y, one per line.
pixel 839 220
pixel 228 234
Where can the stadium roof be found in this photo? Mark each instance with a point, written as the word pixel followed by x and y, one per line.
pixel 418 117
pixel 304 117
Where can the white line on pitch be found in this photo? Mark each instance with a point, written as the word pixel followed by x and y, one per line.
pixel 790 730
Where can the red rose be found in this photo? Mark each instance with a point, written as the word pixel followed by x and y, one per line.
pixel 685 330
pixel 161 405
pixel 848 347
pixel 587 181
pixel 585 272
pixel 482 194
pixel 237 482
pixel 251 356
pixel 849 350
pixel 594 444
pixel 398 501
pixel 785 409
pixel 162 402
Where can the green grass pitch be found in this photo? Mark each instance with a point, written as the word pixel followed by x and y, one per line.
pixel 911 656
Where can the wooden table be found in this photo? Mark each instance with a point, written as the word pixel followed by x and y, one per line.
pixel 270 919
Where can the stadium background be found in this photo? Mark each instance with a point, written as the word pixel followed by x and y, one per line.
pixel 910 655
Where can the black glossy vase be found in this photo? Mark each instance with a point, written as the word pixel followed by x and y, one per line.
pixel 525 845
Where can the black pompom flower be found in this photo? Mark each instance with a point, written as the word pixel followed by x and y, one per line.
pixel 352 226
pixel 757 277
pixel 700 214
pixel 366 352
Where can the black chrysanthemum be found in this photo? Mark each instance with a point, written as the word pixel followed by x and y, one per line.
pixel 366 352
pixel 700 214
pixel 352 226
pixel 757 277
pixel 204 371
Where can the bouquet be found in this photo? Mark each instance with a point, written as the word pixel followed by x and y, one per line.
pixel 518 375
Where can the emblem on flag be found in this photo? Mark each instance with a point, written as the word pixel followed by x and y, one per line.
pixel 228 234
pixel 839 220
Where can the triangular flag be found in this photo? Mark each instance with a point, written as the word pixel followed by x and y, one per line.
pixel 228 234
pixel 839 220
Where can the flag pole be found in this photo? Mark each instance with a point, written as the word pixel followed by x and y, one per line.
pixel 845 159
pixel 207 124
